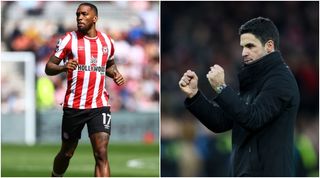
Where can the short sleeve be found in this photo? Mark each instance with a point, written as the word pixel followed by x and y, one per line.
pixel 63 47
pixel 111 56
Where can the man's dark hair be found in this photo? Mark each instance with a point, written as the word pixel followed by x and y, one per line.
pixel 263 29
pixel 95 9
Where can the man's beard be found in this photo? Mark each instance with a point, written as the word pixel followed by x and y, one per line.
pixel 83 30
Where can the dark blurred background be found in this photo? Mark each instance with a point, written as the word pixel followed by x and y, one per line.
pixel 197 35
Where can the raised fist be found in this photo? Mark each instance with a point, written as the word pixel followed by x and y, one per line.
pixel 189 83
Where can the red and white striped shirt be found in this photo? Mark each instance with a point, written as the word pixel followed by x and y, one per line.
pixel 85 86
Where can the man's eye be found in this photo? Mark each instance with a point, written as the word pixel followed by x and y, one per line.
pixel 84 14
pixel 249 45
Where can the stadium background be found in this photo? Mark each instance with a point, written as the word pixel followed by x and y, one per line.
pixel 36 26
pixel 196 35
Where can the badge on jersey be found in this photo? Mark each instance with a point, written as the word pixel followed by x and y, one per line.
pixel 58 44
pixel 105 50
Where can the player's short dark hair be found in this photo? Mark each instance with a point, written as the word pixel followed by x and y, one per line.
pixel 95 9
pixel 263 29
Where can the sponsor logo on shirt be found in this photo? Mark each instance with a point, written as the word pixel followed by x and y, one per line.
pixel 93 60
pixel 100 69
pixel 58 45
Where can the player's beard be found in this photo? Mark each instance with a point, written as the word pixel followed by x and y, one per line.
pixel 83 30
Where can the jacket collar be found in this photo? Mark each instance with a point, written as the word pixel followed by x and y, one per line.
pixel 250 73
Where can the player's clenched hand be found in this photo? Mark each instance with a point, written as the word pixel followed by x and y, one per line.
pixel 216 76
pixel 118 79
pixel 189 83
pixel 71 64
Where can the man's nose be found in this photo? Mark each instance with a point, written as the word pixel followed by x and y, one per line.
pixel 79 17
pixel 245 52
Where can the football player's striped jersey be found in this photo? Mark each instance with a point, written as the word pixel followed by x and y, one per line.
pixel 85 87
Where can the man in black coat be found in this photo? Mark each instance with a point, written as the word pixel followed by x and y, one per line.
pixel 262 115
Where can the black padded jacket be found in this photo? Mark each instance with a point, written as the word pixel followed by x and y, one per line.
pixel 261 116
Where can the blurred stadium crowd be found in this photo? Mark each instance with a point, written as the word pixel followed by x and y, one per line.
pixel 196 35
pixel 37 25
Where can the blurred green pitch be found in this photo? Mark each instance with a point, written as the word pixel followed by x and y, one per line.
pixel 126 160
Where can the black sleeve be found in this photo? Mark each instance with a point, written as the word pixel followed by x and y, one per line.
pixel 208 114
pixel 265 107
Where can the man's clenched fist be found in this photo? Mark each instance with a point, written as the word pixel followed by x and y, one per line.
pixel 71 64
pixel 189 83
pixel 216 76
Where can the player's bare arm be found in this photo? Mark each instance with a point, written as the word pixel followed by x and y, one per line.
pixel 189 83
pixel 53 67
pixel 112 72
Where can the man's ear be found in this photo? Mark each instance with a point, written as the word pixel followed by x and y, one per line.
pixel 269 46
pixel 95 18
